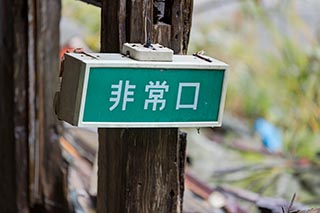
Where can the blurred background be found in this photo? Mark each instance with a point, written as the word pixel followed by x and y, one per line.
pixel 269 144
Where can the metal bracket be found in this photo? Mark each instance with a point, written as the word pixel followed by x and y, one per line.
pixel 201 55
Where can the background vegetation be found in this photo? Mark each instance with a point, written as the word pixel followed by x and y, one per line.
pixel 274 72
pixel 274 59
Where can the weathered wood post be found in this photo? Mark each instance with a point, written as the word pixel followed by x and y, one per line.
pixel 31 174
pixel 141 170
pixel 13 107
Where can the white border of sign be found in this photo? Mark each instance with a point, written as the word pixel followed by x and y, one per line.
pixel 168 65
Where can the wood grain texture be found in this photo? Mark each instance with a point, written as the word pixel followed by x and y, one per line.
pixel 181 19
pixel 29 64
pixel 13 107
pixel 131 20
pixel 142 170
pixel 115 20
pixel 51 172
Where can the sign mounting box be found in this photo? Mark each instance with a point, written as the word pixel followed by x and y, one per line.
pixel 113 90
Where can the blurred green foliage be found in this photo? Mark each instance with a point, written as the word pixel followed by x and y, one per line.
pixel 274 70
pixel 86 15
pixel 274 73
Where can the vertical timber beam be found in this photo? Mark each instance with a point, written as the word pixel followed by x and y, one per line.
pixel 31 178
pixel 51 173
pixel 47 176
pixel 115 18
pixel 141 170
pixel 13 107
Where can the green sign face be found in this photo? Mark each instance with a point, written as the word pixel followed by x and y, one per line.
pixel 153 97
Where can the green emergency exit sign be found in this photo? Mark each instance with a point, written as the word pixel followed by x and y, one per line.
pixel 112 90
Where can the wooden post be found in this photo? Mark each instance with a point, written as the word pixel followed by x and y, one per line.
pixel 44 35
pixel 13 107
pixel 31 169
pixel 141 170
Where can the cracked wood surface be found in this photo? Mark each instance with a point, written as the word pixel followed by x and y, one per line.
pixel 141 170
pixel 32 176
